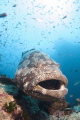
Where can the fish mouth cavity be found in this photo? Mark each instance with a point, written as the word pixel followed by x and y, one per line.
pixel 51 84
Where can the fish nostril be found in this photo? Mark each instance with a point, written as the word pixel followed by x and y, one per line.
pixel 51 84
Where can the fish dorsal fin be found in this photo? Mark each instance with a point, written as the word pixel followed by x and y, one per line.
pixel 27 51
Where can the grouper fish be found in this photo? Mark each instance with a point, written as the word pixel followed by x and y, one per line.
pixel 40 77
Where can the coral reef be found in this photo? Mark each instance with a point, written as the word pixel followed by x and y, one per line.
pixel 76 108
pixel 16 105
pixel 74 116
pixel 56 106
pixel 68 111
pixel 40 115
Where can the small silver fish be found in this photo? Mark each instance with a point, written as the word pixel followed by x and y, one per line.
pixel 71 96
pixel 38 19
pixel 78 99
pixel 76 83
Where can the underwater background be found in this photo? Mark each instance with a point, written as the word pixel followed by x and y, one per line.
pixel 52 26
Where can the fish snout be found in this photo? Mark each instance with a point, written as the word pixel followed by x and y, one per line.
pixel 48 85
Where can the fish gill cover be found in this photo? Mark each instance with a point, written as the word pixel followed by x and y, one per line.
pixel 52 27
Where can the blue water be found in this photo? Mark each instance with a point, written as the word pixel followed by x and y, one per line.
pixel 50 26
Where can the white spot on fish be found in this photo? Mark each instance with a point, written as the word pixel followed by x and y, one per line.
pixel 25 85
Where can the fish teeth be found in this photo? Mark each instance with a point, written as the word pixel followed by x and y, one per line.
pixel 62 87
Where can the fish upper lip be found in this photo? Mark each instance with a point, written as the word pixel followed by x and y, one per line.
pixel 55 76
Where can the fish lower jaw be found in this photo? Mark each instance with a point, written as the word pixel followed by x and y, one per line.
pixel 54 93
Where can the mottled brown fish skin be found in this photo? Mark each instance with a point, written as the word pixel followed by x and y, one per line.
pixel 40 77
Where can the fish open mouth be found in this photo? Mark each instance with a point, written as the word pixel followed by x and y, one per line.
pixel 51 84
pixel 48 87
pixel 52 87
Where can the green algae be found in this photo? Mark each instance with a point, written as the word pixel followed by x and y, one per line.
pixel 10 107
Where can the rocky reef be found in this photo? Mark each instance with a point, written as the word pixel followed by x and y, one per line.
pixel 16 105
